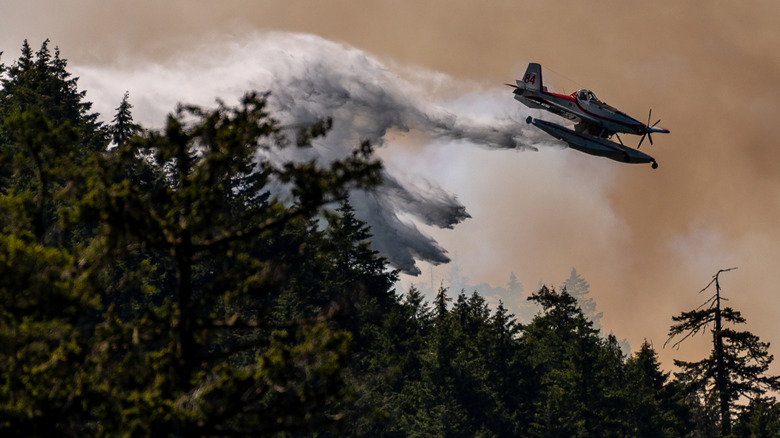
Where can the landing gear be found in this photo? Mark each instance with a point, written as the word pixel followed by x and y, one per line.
pixel 654 165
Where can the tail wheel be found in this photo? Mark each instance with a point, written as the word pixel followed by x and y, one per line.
pixel 654 165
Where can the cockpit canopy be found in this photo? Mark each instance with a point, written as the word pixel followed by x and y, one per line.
pixel 587 96
pixel 591 99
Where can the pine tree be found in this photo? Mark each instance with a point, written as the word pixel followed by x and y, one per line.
pixel 436 409
pixel 48 299
pixel 737 365
pixel 45 127
pixel 40 83
pixel 657 407
pixel 514 287
pixel 123 127
pixel 578 375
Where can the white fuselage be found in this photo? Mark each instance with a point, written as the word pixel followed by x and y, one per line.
pixel 593 116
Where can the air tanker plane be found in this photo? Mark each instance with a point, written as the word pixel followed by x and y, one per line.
pixel 596 122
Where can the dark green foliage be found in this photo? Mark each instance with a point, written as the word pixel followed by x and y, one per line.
pixel 232 255
pixel 122 127
pixel 578 374
pixel 40 83
pixel 139 284
pixel 760 419
pixel 657 407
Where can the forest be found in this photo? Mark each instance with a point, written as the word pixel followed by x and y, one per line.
pixel 184 281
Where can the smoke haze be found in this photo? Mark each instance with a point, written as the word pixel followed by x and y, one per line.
pixel 645 240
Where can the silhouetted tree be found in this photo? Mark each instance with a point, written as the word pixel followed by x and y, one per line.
pixel 656 407
pixel 578 375
pixel 738 361
pixel 122 126
pixel 761 418
pixel 577 287
pixel 514 287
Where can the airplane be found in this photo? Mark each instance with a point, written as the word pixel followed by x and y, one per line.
pixel 595 121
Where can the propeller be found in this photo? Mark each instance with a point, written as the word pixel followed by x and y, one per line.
pixel 647 129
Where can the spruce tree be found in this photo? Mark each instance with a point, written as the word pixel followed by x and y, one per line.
pixel 48 299
pixel 578 376
pixel 122 126
pixel 39 82
pixel 656 406
pixel 761 418
pixel 47 133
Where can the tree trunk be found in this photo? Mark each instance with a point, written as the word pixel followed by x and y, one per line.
pixel 720 368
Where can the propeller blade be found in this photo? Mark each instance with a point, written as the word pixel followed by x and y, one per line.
pixel 648 128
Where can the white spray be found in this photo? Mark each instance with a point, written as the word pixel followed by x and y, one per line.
pixel 311 78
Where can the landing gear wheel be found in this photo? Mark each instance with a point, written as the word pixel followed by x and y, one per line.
pixel 654 165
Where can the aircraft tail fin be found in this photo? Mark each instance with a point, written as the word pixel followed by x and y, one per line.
pixel 532 80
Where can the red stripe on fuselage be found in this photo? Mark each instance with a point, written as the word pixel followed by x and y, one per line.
pixel 572 98
pixel 561 96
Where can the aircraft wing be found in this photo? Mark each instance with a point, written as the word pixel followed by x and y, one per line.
pixel 578 117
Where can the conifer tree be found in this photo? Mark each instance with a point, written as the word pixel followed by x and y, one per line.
pixel 578 375
pixel 123 127
pixel 760 419
pixel 577 287
pixel 656 406
pixel 38 82
pixel 737 365
pixel 514 287
pixel 48 300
